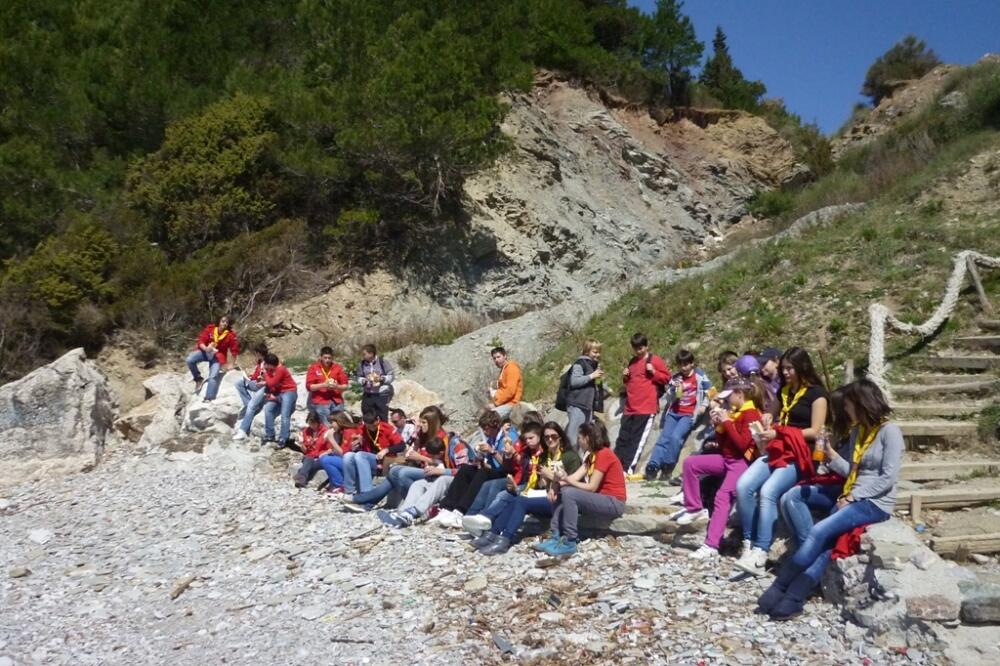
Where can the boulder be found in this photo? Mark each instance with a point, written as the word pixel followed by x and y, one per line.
pixel 132 425
pixel 55 419
pixel 169 390
pixel 411 397
pixel 980 602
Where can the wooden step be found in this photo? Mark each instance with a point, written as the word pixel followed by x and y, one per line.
pixel 942 409
pixel 962 362
pixel 991 342
pixel 948 498
pixel 988 324
pixel 968 543
pixel 968 387
pixel 939 428
pixel 941 378
pixel 938 471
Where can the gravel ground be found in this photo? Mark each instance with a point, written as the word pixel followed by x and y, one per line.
pixel 264 573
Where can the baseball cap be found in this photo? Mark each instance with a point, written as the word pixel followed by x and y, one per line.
pixel 736 384
pixel 747 365
pixel 769 354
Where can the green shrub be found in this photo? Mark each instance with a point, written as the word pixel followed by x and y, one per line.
pixel 907 59
pixel 770 203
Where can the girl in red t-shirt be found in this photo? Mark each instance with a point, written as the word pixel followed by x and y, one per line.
pixel 314 445
pixel 596 488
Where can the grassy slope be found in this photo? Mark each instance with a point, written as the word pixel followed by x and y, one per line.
pixel 813 291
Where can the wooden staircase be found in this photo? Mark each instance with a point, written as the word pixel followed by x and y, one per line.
pixel 942 397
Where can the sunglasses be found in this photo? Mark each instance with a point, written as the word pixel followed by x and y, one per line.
pixel 552 437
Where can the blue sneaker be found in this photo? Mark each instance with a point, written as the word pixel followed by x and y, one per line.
pixel 541 546
pixel 564 548
pixel 389 518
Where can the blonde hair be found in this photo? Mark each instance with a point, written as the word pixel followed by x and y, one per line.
pixel 591 345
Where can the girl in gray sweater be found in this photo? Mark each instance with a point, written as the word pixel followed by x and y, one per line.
pixel 870 470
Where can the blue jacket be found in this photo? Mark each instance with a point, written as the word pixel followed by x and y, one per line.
pixel 701 400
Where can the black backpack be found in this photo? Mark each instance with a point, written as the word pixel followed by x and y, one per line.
pixel 563 391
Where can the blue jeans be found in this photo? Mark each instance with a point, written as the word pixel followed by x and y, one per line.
pixel 797 505
pixel 252 396
pixel 673 431
pixel 484 498
pixel 286 403
pixel 400 478
pixel 757 495
pixel 325 410
pixel 333 465
pixel 813 555
pixel 359 467
pixel 509 521
pixel 212 386
pixel 498 506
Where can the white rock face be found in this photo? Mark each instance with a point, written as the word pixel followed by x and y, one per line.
pixel 55 419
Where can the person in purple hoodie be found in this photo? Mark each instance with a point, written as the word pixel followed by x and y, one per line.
pixel 769 359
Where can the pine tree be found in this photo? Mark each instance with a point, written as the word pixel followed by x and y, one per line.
pixel 670 45
pixel 726 82
pixel 907 59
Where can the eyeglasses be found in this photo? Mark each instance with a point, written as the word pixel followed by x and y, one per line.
pixel 552 437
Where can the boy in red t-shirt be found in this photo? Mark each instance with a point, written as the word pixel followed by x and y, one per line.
pixel 643 379
pixel 280 394
pixel 314 445
pixel 326 381
pixel 215 343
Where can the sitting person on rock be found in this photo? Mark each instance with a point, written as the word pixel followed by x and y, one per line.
pixel 787 457
pixel 510 385
pixel 868 496
pixel 280 394
pixel 407 428
pixel 377 440
pixel 495 459
pixel 215 344
pixel 418 458
pixel 501 521
pixel 375 374
pixel 251 387
pixel 748 366
pixel 314 445
pixel 326 381
pixel 596 488
pixel 727 366
pixel 427 492
pixel 342 436
pixel 735 448
pixel 770 360
pixel 687 397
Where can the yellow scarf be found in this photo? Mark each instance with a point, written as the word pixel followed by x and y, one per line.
pixel 786 407
pixel 326 375
pixel 216 338
pixel 533 479
pixel 735 413
pixel 861 446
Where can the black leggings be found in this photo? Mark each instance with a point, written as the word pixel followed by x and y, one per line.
pixel 463 490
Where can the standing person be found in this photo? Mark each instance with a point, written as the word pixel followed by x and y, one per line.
pixel 406 428
pixel 787 459
pixel 586 390
pixel 596 488
pixel 251 387
pixel 510 385
pixel 375 374
pixel 736 446
pixel 216 342
pixel 325 382
pixel 644 378
pixel 868 496
pixel 687 397
pixel 280 396
pixel 769 359
pixel 401 477
pixel 378 439
pixel 314 445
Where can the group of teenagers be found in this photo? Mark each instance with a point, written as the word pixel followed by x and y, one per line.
pixel 775 442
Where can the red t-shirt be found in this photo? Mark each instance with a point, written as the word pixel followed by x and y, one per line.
pixel 613 482
pixel 689 400
pixel 279 381
pixel 314 444
pixel 383 437
pixel 317 374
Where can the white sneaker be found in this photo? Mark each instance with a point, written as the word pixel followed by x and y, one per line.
pixel 677 514
pixel 677 499
pixel 747 545
pixel 454 521
pixel 705 553
pixel 441 517
pixel 753 562
pixel 476 525
pixel 239 436
pixel 692 516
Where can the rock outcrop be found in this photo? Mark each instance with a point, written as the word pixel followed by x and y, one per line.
pixel 55 419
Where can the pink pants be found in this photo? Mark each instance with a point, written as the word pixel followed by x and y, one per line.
pixel 696 467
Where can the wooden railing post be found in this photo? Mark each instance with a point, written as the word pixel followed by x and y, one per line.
pixel 974 272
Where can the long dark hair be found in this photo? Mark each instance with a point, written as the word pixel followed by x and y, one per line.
pixel 805 372
pixel 596 434
pixel 840 423
pixel 870 405
pixel 563 440
pixel 435 419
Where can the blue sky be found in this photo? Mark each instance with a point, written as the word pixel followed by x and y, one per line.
pixel 814 53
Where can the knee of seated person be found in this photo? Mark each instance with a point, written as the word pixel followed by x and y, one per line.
pixel 772 492
pixel 792 496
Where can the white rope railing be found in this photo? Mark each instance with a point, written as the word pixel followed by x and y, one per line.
pixel 881 317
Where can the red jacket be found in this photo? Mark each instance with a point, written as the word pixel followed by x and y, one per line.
pixel 385 437
pixel 228 343
pixel 317 374
pixel 314 444
pixel 790 448
pixel 258 370
pixel 735 439
pixel 641 396
pixel 279 381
